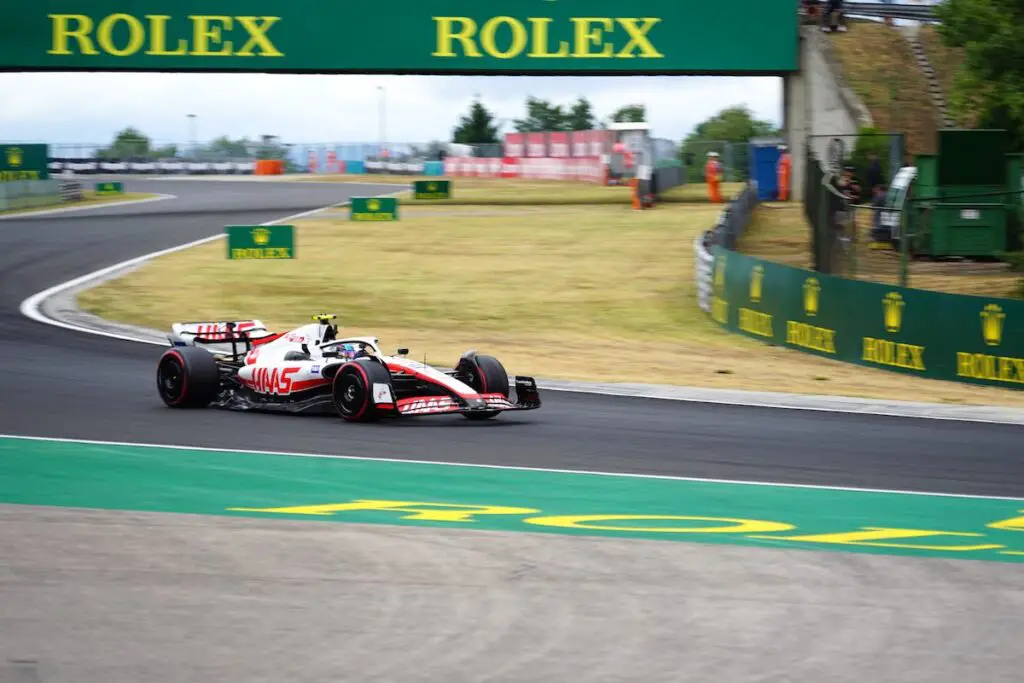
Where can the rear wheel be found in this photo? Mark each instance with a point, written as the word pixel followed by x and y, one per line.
pixel 353 390
pixel 187 378
pixel 487 376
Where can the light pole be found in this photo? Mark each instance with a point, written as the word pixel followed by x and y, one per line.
pixel 192 132
pixel 381 122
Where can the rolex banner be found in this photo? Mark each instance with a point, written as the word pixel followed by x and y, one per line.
pixel 265 242
pixel 23 162
pixel 914 331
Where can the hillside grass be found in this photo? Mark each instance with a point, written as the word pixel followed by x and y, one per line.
pixel 880 68
pixel 947 62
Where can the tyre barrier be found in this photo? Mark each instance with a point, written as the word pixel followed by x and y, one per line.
pixel 121 166
pixel 71 191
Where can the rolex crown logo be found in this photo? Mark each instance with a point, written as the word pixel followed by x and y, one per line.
pixel 992 318
pixel 15 157
pixel 756 282
pixel 892 311
pixel 373 205
pixel 261 236
pixel 431 187
pixel 812 296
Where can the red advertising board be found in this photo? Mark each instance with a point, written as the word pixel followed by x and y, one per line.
pixel 332 161
pixel 311 160
pixel 558 145
pixel 543 168
pixel 597 141
pixel 536 145
pixel 514 144
pixel 579 143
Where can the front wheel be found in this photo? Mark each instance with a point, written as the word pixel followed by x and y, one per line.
pixel 487 376
pixel 358 388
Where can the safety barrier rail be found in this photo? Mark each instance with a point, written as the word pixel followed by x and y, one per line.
pixel 961 338
pixel 890 11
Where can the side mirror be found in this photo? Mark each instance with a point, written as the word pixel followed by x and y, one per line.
pixel 403 352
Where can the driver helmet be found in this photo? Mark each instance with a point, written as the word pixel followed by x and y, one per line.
pixel 348 351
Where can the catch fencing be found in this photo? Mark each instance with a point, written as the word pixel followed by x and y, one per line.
pixel 953 337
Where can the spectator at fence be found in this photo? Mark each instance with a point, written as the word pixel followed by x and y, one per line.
pixel 849 188
pixel 811 9
pixel 878 231
pixel 833 17
pixel 875 175
pixel 784 170
pixel 713 177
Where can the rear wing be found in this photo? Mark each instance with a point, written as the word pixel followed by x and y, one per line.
pixel 224 336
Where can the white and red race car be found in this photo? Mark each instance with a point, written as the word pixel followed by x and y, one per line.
pixel 241 365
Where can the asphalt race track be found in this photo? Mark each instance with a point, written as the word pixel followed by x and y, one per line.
pixel 60 375
pixel 646 611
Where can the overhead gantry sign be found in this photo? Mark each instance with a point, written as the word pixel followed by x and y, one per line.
pixel 401 36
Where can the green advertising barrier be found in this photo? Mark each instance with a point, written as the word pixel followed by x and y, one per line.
pixel 402 36
pixel 914 331
pixel 23 162
pixel 102 189
pixel 373 209
pixel 432 189
pixel 260 242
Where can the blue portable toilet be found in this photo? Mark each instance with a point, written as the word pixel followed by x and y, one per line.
pixel 764 160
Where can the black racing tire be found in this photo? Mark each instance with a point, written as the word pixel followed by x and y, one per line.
pixel 187 377
pixel 352 390
pixel 486 375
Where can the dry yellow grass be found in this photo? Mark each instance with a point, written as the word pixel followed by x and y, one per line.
pixel 947 62
pixel 91 199
pixel 879 67
pixel 502 191
pixel 586 293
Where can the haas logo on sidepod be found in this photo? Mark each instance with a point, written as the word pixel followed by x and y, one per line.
pixel 273 380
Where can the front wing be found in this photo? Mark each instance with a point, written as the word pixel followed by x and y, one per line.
pixel 524 396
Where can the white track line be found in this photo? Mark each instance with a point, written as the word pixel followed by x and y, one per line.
pixel 30 307
pixel 104 205
pixel 441 463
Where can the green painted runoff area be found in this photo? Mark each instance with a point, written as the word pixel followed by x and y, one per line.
pixel 160 479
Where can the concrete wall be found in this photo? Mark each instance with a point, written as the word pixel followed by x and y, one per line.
pixel 835 108
pixel 818 102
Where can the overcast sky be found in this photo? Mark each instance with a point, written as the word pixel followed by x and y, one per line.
pixel 91 107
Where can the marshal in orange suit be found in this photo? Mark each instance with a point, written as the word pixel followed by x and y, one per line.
pixel 784 171
pixel 713 177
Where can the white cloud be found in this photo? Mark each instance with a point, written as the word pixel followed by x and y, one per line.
pixel 90 107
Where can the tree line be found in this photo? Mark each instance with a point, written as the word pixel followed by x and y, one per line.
pixel 131 143
pixel 989 84
pixel 480 127
pixel 734 124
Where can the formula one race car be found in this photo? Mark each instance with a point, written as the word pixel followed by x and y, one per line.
pixel 242 366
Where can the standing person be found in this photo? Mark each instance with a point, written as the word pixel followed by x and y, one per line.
pixel 713 177
pixel 849 187
pixel 833 7
pixel 879 238
pixel 875 175
pixel 783 171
